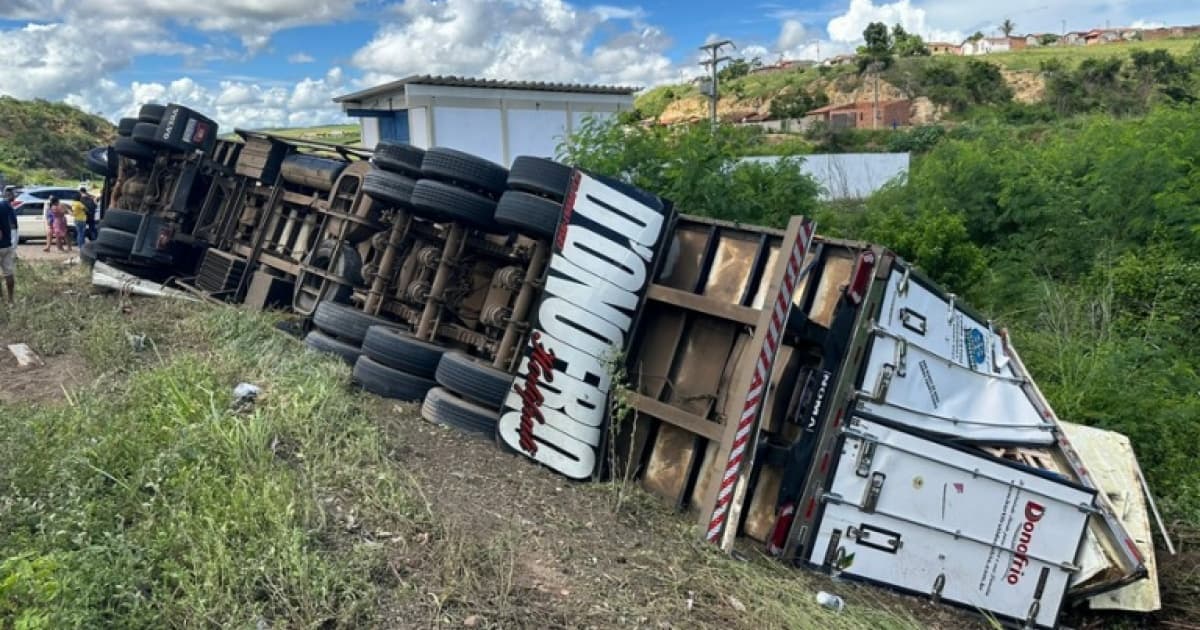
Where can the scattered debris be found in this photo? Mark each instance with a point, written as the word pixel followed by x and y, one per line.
pixel 245 393
pixel 471 621
pixel 137 342
pixel 109 277
pixel 737 604
pixel 831 601
pixel 25 355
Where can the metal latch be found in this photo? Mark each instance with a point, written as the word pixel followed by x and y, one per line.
pixel 885 381
pixel 939 584
pixel 913 321
pixel 901 358
pixel 950 314
pixel 865 457
pixel 873 491
pixel 834 552
pixel 902 288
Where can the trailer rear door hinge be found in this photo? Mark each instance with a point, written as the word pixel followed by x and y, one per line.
pixel 873 491
pixel 865 457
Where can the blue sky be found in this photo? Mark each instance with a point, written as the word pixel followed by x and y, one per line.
pixel 257 63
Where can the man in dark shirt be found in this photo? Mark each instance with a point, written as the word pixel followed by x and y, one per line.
pixel 8 245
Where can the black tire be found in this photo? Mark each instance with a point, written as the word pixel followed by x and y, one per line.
pixel 473 380
pixel 346 322
pixel 147 134
pixel 320 342
pixel 540 176
pixel 444 202
pixel 399 158
pixel 464 169
pixel 124 220
pixel 87 253
pixel 151 113
pixel 349 265
pixel 132 149
pixel 388 382
pixel 444 408
pixel 125 126
pixel 529 214
pixel 114 241
pixel 311 171
pixel 96 161
pixel 391 189
pixel 402 351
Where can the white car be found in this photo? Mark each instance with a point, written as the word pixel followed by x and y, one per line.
pixel 31 222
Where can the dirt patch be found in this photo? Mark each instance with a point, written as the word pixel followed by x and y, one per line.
pixel 41 383
pixel 524 547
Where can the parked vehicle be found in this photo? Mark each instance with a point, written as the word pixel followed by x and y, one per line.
pixel 817 396
pixel 31 221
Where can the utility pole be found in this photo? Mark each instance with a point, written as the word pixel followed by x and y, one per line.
pixel 876 67
pixel 712 63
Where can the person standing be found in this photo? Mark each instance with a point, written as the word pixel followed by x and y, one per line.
pixel 57 230
pixel 89 202
pixel 8 244
pixel 80 214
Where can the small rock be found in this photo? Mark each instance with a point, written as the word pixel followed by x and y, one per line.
pixel 471 621
pixel 737 604
pixel 691 601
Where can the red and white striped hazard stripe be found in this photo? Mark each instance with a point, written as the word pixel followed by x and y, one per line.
pixel 762 376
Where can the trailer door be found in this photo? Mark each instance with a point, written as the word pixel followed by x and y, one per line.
pixel 934 367
pixel 926 517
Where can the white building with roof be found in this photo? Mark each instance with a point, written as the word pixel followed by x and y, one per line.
pixel 497 120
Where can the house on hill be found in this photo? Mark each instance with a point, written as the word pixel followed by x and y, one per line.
pixel 1101 36
pixel 944 48
pixel 989 45
pixel 784 65
pixel 860 115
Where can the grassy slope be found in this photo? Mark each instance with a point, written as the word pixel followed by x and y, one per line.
pixel 766 85
pixel 43 142
pixel 144 498
pixel 340 134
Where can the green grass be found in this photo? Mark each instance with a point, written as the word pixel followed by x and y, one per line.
pixel 349 134
pixel 145 498
pixel 1031 58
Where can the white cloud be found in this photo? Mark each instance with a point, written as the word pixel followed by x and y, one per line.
pixel 528 39
pixel 301 58
pixel 849 26
pixel 792 35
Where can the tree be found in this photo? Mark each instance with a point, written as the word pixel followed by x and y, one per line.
pixel 738 68
pixel 976 37
pixel 1007 27
pixel 876 52
pixel 1048 39
pixel 796 104
pixel 905 44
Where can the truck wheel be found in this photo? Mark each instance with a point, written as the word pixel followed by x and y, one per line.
pixel 124 220
pixel 390 188
pixel 125 126
pixel 473 380
pixel 402 351
pixel 311 171
pixel 147 134
pixel 132 149
pixel 87 253
pixel 529 214
pixel 96 161
pixel 442 407
pixel 151 113
pixel 441 201
pixel 318 341
pixel 388 382
pixel 399 158
pixel 349 266
pixel 464 169
pixel 540 176
pixel 346 322
pixel 114 241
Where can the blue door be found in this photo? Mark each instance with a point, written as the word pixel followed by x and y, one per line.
pixel 394 126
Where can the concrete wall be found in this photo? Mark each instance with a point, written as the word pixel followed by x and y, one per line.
pixel 849 175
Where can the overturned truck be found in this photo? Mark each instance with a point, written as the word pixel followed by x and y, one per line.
pixel 819 398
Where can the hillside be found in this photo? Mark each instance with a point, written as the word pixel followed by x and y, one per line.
pixel 45 142
pixel 922 79
pixel 350 134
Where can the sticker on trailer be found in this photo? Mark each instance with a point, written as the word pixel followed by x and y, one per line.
pixel 922 516
pixel 605 252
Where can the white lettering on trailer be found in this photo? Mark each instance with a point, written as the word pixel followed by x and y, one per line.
pixel 596 280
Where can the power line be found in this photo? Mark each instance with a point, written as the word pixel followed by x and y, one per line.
pixel 712 63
